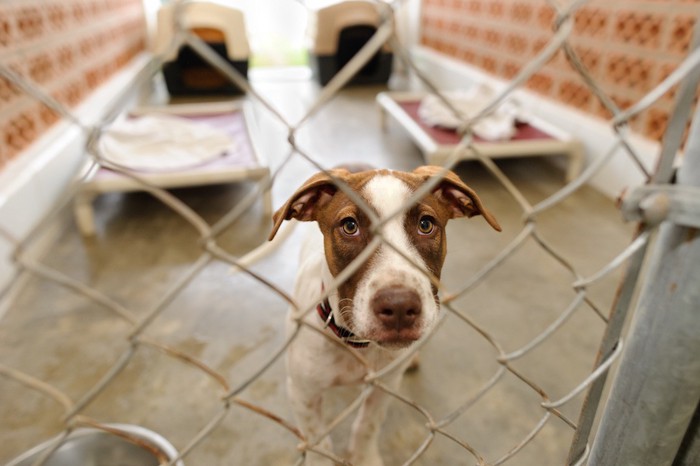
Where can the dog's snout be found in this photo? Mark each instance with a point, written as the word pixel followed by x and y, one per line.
pixel 396 307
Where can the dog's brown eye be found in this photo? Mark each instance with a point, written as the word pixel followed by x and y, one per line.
pixel 350 226
pixel 425 225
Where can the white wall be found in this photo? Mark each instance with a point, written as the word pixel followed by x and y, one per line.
pixel 31 183
pixel 274 27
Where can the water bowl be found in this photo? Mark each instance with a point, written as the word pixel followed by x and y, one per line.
pixel 124 444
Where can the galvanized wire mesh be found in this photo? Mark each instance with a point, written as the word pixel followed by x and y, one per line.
pixel 211 251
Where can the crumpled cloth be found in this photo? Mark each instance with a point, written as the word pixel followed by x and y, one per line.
pixel 496 126
pixel 162 143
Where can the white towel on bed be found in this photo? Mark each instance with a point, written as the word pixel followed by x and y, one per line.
pixel 162 143
pixel 498 125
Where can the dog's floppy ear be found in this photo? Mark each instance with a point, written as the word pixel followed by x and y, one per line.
pixel 459 198
pixel 307 200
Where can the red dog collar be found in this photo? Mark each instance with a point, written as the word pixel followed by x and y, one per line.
pixel 349 338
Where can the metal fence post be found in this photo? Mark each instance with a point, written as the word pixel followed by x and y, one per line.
pixel 689 453
pixel 657 388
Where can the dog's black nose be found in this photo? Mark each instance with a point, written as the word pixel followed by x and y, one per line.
pixel 396 307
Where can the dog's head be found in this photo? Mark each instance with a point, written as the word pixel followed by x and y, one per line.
pixel 391 299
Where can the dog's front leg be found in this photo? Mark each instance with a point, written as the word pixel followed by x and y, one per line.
pixel 307 406
pixel 364 440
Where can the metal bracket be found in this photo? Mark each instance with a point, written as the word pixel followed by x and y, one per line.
pixel 654 204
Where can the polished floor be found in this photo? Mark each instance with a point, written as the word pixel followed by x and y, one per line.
pixel 233 323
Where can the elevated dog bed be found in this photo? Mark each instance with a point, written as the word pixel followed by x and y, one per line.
pixel 223 28
pixel 239 161
pixel 337 33
pixel 531 138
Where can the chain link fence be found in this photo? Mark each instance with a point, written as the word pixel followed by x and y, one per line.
pixel 228 396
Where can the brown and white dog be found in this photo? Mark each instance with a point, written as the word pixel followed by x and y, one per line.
pixel 385 306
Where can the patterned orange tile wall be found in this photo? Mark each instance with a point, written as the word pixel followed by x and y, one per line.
pixel 68 47
pixel 628 46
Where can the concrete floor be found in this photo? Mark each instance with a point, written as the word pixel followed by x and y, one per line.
pixel 232 323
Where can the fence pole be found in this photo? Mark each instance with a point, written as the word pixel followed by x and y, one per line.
pixel 672 143
pixel 689 453
pixel 657 387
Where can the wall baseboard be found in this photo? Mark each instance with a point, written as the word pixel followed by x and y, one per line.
pixel 618 175
pixel 32 182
